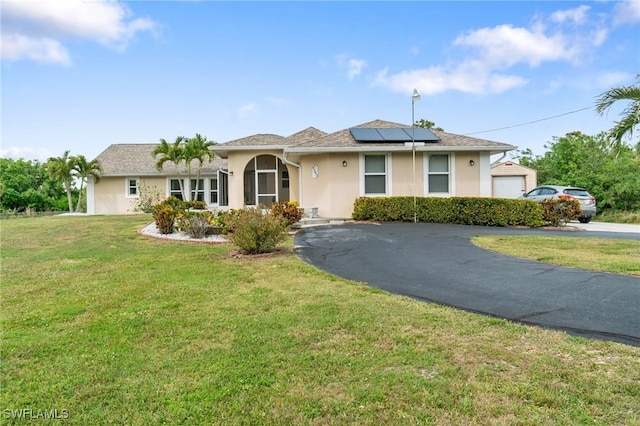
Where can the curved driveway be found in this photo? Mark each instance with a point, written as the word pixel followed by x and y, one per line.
pixel 438 263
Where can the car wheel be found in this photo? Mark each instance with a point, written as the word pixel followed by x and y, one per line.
pixel 584 219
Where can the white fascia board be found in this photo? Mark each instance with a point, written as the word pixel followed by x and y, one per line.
pixel 426 148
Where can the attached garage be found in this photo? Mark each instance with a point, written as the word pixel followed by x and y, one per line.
pixel 511 180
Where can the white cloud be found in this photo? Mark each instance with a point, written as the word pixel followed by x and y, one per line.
pixel 468 78
pixel 16 152
pixel 43 49
pixel 627 12
pixel 355 67
pixel 30 26
pixel 577 15
pixel 505 45
pixel 352 66
pixel 489 52
pixel 247 109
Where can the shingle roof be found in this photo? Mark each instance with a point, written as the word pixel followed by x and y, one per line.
pixel 308 134
pixel 257 140
pixel 136 160
pixel 344 139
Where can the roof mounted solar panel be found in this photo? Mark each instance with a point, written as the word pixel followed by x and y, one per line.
pixel 365 134
pixel 393 134
pixel 422 134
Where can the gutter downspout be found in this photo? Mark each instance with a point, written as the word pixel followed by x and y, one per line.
pixel 504 154
pixel 286 161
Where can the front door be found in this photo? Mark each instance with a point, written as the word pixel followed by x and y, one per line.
pixel 263 181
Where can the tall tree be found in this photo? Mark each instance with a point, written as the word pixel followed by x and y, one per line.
pixel 197 149
pixel 172 153
pixel 61 169
pixel 630 115
pixel 82 170
pixel 427 124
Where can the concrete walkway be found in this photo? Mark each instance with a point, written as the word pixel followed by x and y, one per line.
pixel 438 263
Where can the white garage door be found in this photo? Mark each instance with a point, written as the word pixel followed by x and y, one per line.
pixel 508 186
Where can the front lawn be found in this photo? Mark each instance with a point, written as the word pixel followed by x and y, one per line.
pixel 116 328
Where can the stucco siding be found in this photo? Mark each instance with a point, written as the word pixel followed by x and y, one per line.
pixel 467 178
pixel 110 196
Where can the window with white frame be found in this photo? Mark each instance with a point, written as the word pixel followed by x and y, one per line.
pixel 200 189
pixel 375 174
pixel 175 188
pixel 132 187
pixel 438 174
pixel 213 190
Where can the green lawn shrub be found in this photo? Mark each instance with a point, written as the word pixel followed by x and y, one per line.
pixel 164 215
pixel 288 210
pixel 195 224
pixel 458 210
pixel 254 230
pixel 559 212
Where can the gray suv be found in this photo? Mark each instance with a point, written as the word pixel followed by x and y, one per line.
pixel 587 201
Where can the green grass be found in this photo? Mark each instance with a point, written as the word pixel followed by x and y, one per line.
pixel 596 254
pixel 117 328
pixel 618 217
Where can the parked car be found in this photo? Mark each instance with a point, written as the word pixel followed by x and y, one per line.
pixel 587 201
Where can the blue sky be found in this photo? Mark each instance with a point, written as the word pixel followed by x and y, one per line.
pixel 81 75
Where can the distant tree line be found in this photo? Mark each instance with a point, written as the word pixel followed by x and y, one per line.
pixel 28 185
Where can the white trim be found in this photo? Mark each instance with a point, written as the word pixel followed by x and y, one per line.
pixel 127 187
pixel 486 185
pixel 451 174
pixel 91 195
pixel 387 174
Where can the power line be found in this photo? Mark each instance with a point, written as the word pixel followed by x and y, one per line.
pixel 529 122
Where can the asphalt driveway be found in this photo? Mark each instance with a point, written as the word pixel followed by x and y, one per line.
pixel 438 263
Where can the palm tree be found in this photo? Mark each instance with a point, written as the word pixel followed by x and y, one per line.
pixel 173 153
pixel 197 149
pixel 630 115
pixel 82 170
pixel 61 169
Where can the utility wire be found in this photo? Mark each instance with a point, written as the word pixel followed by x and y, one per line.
pixel 528 122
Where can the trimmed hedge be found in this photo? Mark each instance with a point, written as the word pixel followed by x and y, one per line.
pixel 457 210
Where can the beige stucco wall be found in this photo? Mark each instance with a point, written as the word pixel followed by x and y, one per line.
pixel 109 194
pixel 509 168
pixel 467 177
pixel 336 187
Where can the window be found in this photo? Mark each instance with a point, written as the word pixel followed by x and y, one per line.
pixel 375 174
pixel 174 188
pixel 213 191
pixel 200 185
pixel 132 187
pixel 285 179
pixel 438 177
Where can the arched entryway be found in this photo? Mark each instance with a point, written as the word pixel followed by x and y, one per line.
pixel 266 181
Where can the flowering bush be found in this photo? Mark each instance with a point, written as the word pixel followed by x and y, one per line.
pixel 148 199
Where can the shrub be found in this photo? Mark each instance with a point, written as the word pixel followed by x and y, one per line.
pixel 254 231
pixel 288 210
pixel 195 204
pixel 195 224
pixel 164 215
pixel 148 199
pixel 458 210
pixel 559 212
